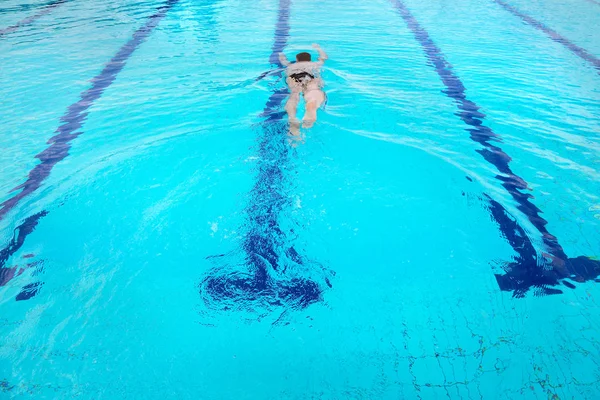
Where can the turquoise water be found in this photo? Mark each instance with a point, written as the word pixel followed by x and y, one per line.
pixel 169 240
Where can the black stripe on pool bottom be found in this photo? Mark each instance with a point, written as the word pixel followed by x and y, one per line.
pixel 7 274
pixel 59 148
pixel 46 9
pixel 552 34
pixel 267 272
pixel 528 269
pixel 20 233
pixel 77 113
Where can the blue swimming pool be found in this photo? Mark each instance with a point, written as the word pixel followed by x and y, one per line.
pixel 436 234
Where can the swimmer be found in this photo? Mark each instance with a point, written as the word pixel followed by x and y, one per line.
pixel 303 76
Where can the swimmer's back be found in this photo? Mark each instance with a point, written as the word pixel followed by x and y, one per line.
pixel 311 67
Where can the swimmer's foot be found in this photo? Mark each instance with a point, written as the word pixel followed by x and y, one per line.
pixel 295 136
pixel 295 127
pixel 308 123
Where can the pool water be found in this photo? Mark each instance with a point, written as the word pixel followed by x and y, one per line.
pixel 436 234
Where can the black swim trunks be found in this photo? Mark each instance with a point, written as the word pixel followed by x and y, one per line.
pixel 302 77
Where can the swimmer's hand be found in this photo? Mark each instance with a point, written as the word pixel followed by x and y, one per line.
pixel 322 54
pixel 283 60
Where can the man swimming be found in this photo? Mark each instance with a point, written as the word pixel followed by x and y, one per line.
pixel 303 76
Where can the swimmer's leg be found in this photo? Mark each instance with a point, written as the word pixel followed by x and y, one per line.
pixel 291 106
pixel 313 99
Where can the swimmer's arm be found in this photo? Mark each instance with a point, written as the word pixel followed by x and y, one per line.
pixel 322 54
pixel 283 60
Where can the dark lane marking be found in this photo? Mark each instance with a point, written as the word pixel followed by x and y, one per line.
pixel 7 274
pixel 552 34
pixel 77 112
pixel 29 20
pixel 21 232
pixel 29 291
pixel 58 150
pixel 25 7
pixel 270 272
pixel 528 270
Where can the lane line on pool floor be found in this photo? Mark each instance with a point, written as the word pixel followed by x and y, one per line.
pixel 7 274
pixel 552 34
pixel 272 273
pixel 20 233
pixel 528 270
pixel 46 9
pixel 71 122
pixel 77 112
